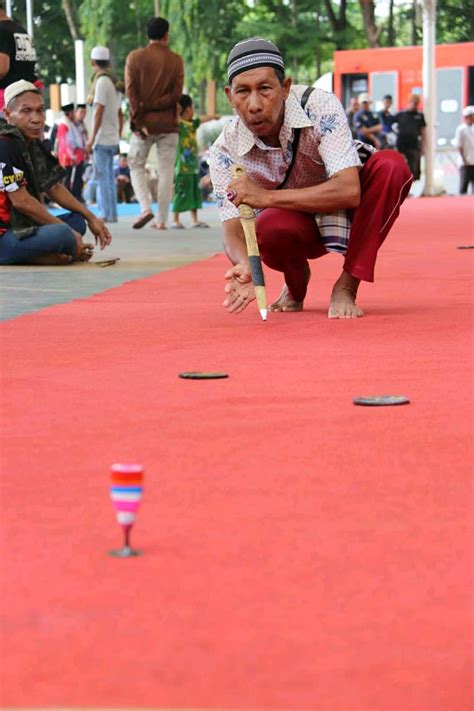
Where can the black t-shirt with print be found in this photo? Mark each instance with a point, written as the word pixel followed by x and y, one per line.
pixel 12 177
pixel 18 45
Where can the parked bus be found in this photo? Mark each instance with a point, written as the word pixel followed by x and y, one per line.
pixel 398 71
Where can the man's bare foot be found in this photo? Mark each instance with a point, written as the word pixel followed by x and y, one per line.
pixel 343 298
pixel 285 301
pixel 84 252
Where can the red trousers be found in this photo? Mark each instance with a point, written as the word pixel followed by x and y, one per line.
pixel 288 238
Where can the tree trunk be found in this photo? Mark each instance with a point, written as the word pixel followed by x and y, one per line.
pixel 372 32
pixel 202 96
pixel 331 15
pixel 70 11
pixel 318 57
pixel 338 22
pixel 138 22
pixel 391 28
pixel 294 14
pixel 414 33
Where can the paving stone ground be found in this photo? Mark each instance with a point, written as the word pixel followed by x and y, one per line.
pixel 142 253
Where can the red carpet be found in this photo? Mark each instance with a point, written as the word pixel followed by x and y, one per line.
pixel 299 552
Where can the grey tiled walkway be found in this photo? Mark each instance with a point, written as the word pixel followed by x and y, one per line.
pixel 142 253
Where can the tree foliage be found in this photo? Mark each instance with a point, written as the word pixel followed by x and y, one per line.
pixel 203 31
pixel 455 21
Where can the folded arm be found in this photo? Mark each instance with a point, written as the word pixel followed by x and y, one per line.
pixel 370 130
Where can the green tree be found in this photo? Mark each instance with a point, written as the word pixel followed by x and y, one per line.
pixel 110 24
pixel 203 31
pixel 455 21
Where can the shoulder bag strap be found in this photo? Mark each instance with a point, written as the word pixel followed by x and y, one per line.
pixel 296 138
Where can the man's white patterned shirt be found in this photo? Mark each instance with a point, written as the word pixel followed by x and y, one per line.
pixel 323 151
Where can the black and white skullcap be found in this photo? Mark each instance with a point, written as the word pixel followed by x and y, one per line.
pixel 252 53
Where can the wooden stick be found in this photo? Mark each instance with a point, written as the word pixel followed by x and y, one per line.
pixel 247 220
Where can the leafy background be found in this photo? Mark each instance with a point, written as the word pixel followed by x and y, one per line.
pixel 203 31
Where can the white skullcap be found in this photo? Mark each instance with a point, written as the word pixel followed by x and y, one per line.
pixel 17 88
pixel 101 54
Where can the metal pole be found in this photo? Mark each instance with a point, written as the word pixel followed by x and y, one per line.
pixel 80 72
pixel 157 8
pixel 8 8
pixel 429 92
pixel 29 17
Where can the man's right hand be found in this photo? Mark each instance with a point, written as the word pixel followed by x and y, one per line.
pixel 239 289
pixel 100 232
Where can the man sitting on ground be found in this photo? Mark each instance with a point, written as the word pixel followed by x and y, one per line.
pixel 123 180
pixel 29 233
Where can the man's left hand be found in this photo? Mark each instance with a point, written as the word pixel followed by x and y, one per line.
pixel 88 147
pixel 100 232
pixel 239 288
pixel 249 193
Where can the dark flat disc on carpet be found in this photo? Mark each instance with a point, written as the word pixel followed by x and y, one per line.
pixel 196 375
pixel 378 400
pixel 465 246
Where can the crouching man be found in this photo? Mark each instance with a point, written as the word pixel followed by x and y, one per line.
pixel 29 234
pixel 305 177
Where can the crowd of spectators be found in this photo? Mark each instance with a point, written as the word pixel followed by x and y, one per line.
pixel 405 131
pixel 161 158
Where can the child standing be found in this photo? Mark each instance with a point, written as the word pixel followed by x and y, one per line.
pixel 187 193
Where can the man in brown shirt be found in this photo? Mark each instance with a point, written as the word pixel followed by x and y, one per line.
pixel 154 79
